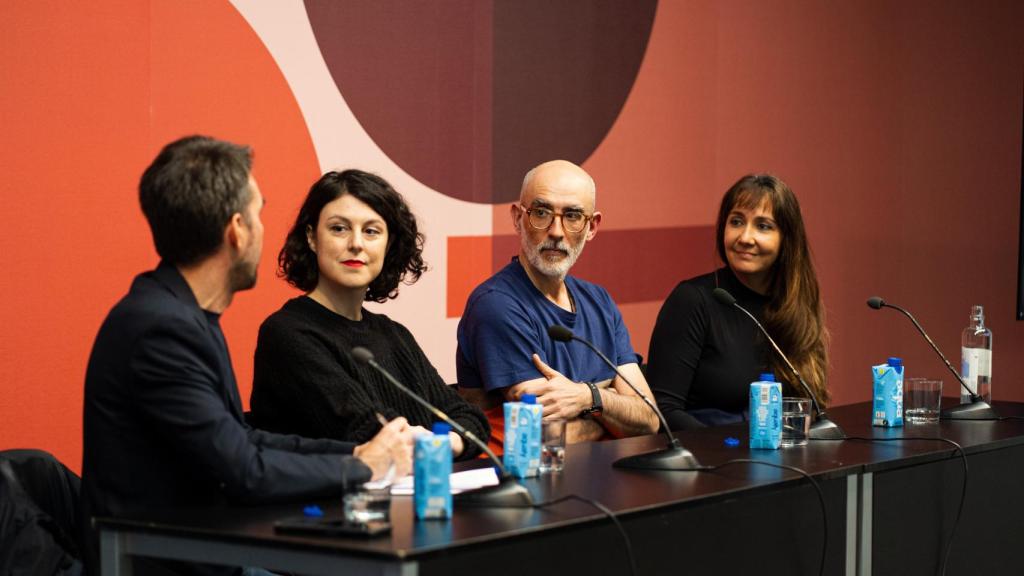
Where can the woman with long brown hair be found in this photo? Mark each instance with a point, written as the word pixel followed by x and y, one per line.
pixel 704 354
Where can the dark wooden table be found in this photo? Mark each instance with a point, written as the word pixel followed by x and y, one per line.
pixel 889 508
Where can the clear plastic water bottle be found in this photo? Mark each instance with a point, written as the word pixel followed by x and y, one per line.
pixel 976 357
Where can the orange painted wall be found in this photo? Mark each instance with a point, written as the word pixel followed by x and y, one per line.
pixel 90 93
pixel 74 101
pixel 897 123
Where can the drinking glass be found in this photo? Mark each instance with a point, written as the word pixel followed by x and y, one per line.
pixel 552 450
pixel 368 505
pixel 921 399
pixel 796 421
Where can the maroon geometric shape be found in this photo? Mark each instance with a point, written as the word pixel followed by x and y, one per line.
pixel 466 95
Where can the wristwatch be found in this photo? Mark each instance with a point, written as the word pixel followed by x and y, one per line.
pixel 597 407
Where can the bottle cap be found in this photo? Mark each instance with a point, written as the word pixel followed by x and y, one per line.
pixel 894 362
pixel 441 428
pixel 766 377
pixel 528 399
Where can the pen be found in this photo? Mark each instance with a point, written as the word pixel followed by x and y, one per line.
pixel 389 477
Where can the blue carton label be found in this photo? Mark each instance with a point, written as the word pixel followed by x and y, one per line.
pixel 432 469
pixel 522 438
pixel 887 403
pixel 765 415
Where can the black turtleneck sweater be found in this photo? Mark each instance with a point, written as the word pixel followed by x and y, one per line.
pixel 307 383
pixel 705 354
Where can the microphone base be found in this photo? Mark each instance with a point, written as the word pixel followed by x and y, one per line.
pixel 665 459
pixel 977 410
pixel 825 429
pixel 506 494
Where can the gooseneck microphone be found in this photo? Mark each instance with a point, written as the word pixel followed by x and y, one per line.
pixel 507 494
pixel 977 409
pixel 675 457
pixel 822 428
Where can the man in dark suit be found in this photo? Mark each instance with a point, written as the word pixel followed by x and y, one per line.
pixel 163 422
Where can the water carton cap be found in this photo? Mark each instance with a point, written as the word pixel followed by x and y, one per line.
pixel 894 362
pixel 441 428
pixel 766 377
pixel 528 399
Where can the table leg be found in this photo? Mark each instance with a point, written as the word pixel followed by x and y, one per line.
pixel 864 520
pixel 113 560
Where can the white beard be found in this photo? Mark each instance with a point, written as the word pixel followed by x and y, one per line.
pixel 558 268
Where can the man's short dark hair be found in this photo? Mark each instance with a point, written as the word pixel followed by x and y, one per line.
pixel 403 261
pixel 189 194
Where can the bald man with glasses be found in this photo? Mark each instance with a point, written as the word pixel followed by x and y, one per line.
pixel 504 350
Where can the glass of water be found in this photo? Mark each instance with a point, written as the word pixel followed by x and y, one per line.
pixel 796 421
pixel 552 446
pixel 922 399
pixel 368 505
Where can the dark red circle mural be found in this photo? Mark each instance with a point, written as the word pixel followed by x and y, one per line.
pixel 466 95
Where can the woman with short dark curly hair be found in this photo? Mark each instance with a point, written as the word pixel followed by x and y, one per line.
pixel 298 262
pixel 354 240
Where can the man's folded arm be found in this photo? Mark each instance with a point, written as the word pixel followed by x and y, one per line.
pixel 626 414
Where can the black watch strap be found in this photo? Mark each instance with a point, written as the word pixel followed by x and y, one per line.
pixel 597 406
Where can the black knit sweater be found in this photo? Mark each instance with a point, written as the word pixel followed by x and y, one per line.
pixel 704 354
pixel 307 383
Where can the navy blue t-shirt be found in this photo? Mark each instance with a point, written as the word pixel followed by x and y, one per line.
pixel 506 321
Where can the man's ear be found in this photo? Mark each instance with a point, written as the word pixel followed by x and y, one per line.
pixel 236 233
pixel 595 221
pixel 515 210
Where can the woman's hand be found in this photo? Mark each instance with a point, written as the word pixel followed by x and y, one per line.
pixel 392 445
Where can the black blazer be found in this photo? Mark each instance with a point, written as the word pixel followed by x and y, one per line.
pixel 163 424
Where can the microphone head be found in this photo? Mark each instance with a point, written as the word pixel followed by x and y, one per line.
pixel 876 302
pixel 723 296
pixel 559 333
pixel 362 355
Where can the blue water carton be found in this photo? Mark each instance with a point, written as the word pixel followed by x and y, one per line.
pixel 766 413
pixel 522 436
pixel 432 470
pixel 887 406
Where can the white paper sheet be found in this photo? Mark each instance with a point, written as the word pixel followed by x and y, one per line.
pixel 460 481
